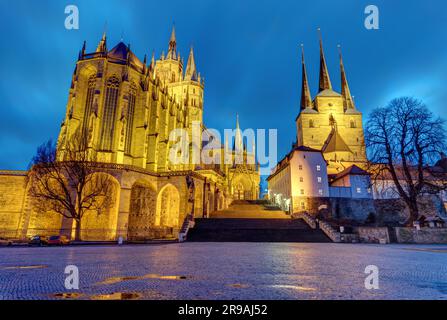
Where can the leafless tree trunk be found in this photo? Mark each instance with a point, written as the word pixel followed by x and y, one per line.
pixel 404 140
pixel 67 181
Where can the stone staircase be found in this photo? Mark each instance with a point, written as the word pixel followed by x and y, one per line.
pixel 253 222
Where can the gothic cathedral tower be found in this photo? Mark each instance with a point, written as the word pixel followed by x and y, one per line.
pixel 331 122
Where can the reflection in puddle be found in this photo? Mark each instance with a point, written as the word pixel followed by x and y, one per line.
pixel 435 250
pixel 70 295
pixel 26 267
pixel 117 296
pixel 147 276
pixel 285 286
pixel 239 285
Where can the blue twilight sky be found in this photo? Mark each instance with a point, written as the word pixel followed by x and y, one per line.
pixel 248 52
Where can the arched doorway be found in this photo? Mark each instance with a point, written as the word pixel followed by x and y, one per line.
pixel 239 192
pixel 168 207
pixel 142 211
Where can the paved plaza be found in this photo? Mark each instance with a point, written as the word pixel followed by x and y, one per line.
pixel 225 271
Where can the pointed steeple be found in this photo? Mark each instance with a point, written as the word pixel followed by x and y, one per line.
pixel 238 143
pixel 325 81
pixel 102 45
pixel 172 50
pixel 191 71
pixel 83 49
pixel 345 92
pixel 306 99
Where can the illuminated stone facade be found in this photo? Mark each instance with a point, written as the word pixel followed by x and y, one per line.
pixel 329 155
pixel 128 109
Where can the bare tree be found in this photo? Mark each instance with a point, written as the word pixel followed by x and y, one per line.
pixel 67 181
pixel 404 140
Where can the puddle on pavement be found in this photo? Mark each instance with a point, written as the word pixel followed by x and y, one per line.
pixel 117 296
pixel 434 250
pixel 113 280
pixel 285 286
pixel 67 295
pixel 25 267
pixel 239 285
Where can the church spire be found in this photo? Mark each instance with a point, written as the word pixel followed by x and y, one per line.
pixel 345 92
pixel 102 45
pixel 238 143
pixel 172 51
pixel 306 99
pixel 325 81
pixel 191 71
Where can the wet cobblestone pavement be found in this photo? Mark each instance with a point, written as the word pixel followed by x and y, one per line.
pixel 225 271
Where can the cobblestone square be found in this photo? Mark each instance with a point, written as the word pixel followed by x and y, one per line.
pixel 226 271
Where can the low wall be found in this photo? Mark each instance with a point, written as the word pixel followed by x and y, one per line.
pixel 373 234
pixel 424 235
pixel 12 198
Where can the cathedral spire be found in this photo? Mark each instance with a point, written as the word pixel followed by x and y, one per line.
pixel 345 92
pixel 172 50
pixel 306 99
pixel 102 45
pixel 191 71
pixel 325 81
pixel 238 143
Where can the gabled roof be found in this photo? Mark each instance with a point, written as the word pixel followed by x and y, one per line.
pixel 335 143
pixel 351 171
pixel 328 93
pixel 304 148
pixel 119 54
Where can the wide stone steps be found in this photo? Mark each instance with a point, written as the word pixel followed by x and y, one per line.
pixel 254 230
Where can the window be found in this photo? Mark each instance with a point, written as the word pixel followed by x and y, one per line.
pixel 301 179
pixel 352 123
pixel 359 190
pixel 109 113
pixel 318 167
pixel 311 123
pixel 302 191
pixel 320 192
pixel 303 205
pixel 369 190
pixel 130 117
pixel 88 103
pixel 319 179
pixel 300 167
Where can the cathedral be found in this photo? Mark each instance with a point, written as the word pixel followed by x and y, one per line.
pixel 328 159
pixel 128 110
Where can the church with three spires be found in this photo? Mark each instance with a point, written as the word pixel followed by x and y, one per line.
pixel 329 156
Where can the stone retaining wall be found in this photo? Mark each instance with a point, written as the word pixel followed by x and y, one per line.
pixel 424 235
pixel 373 234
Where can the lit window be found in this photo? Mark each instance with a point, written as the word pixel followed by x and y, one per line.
pixel 369 190
pixel 320 192
pixel 359 190
pixel 89 104
pixel 318 168
pixel 130 117
pixel 319 179
pixel 109 113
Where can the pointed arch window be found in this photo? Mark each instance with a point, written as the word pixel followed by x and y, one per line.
pixel 88 103
pixel 352 123
pixel 130 118
pixel 109 113
pixel 311 123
